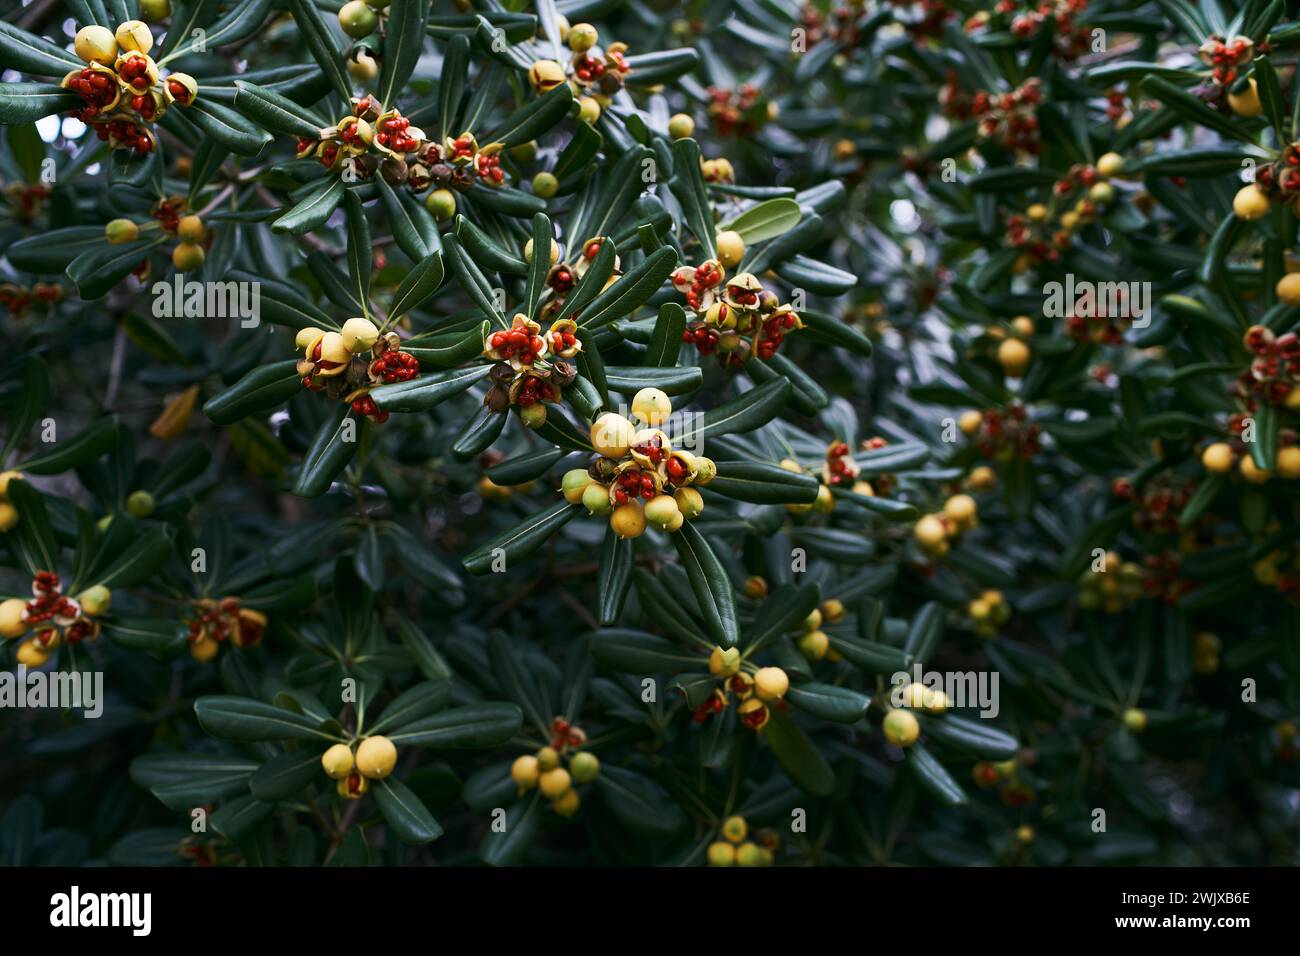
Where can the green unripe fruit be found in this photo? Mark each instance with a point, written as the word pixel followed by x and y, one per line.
pixel 121 230
pixel 357 19
pixel 722 853
pixel 661 511
pixel 442 203
pixel 1135 720
pixel 573 484
pixel 524 152
pixel 595 498
pixel 154 10
pixel 689 501
pixel 534 416
pixel 545 185
pixel 749 854
pixel 901 728
pixel 584 767
pixel 582 37
pixel 96 600
pixel 140 504
pixel 681 126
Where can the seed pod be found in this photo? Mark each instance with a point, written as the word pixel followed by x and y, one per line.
pixel 337 762
pixel 596 499
pixel 545 75
pixel 376 757
pixel 359 335
pixel 96 44
pixel 121 230
pixel 134 35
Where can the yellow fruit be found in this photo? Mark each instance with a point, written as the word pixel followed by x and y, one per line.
pixel 901 728
pixel 1288 288
pixel 555 251
pixel 31 654
pixel 567 804
pixel 680 126
pixel 731 248
pixel 547 759
pixel 96 45
pixel 1013 356
pixel 611 435
pixel 1069 221
pixel 771 683
pixel 1135 720
pixel 133 35
pixel 930 532
pixel 979 610
pixel 832 610
pixel 749 854
pixel 588 110
pixel 155 10
pixel 1246 103
pixel 582 37
pixel 735 829
pixel 970 422
pixel 1217 458
pixel 961 509
pixel 119 231
pixel 359 335
pixel 982 478
pixel 555 783
pixel 362 67
pixel 628 521
pixel 140 504
pixel 525 772
pixel 814 645
pixel 357 19
pixel 1037 212
pixel 187 256
pixel 1102 194
pixel 1023 326
pixel 1251 202
pixel 8 516
pixel 824 503
pixel 651 406
pixel 1252 472
pixel 545 75
pixel 204 650
pixel 545 185
pixel 595 498
pixel 376 757
pixel 337 761
pixel 722 853
pixel 1110 164
pixel 724 662
pixel 1288 463
pixel 13 625
pixel 1025 833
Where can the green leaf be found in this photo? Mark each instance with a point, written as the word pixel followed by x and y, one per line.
pixel 970 736
pixel 333 447
pixel 534 118
pixel 403 41
pixel 26 102
pixel 184 781
pixel 613 576
pixel 751 410
pixel 709 582
pixel 402 809
pixel 762 483
pixel 417 285
pixel 671 380
pixel 33 396
pixel 241 21
pixel 414 703
pixel 226 127
pixel 783 612
pixel 33 539
pixel 837 704
pixel 451 84
pixel 521 540
pixel 286 775
pixel 34 55
pixel 277 113
pixel 139 562
pixel 414 230
pixel 637 652
pixel 322 44
pixel 314 208
pixel 925 632
pixel 251 721
pixel 506 847
pixel 638 802
pixel 359 251
pixel 472 727
pixel 933 778
pixel 264 388
pixel 97 270
pixel 632 290
pixel 422 393
pixel 525 467
pixel 666 342
pixel 687 185
pixel 766 220
pixel 81 449
pixel 797 755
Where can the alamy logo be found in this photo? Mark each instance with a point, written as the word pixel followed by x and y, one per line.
pixel 1084 299
pixel 964 689
pixel 84 691
pixel 179 299
pixel 73 909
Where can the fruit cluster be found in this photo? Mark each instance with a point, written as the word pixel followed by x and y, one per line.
pixel 122 87
pixel 1112 587
pixel 745 321
pixel 1159 505
pixel 1011 118
pixel 374 759
pixel 1002 434
pixel 18 299
pixel 636 476
pixel 755 690
pixel 838 24
pixel 169 215
pixel 1025 20
pixel 742 111
pixel 346 364
pixel 988 612
pixel 532 367
pixel 51 617
pixel 1225 56
pixel 365 141
pixel 1274 372
pixel 735 849
pixel 543 770
pixel 216 621
pixel 935 532
pixel 595 75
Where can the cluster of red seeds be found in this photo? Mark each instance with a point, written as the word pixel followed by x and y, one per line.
pixel 841 25
pixel 1160 506
pixel 702 278
pixel 1022 234
pixel 561 279
pixel 394 365
pixel 48 603
pixel 365 405
pixel 1115 108
pixel 633 484
pixel 1226 57
pixel 562 340
pixel 392 134
pixel 18 299
pixel 1008 429
pixel 517 344
pixel 1164 578
pixel 178 91
pixel 565 734
pixel 773 334
pixel 168 213
pixel 588 68
pixel 732 111
pixel 1275 370
pixel 676 470
pixel 214 620
pixel 934 14
pixel 350 134
pixel 1010 117
pixel 534 390
pixel 489 169
pixel 127 133
pixel 716 703
pixel 134 72
pixel 840 464
pixel 97 88
pixel 1071 39
pixel 1283 176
